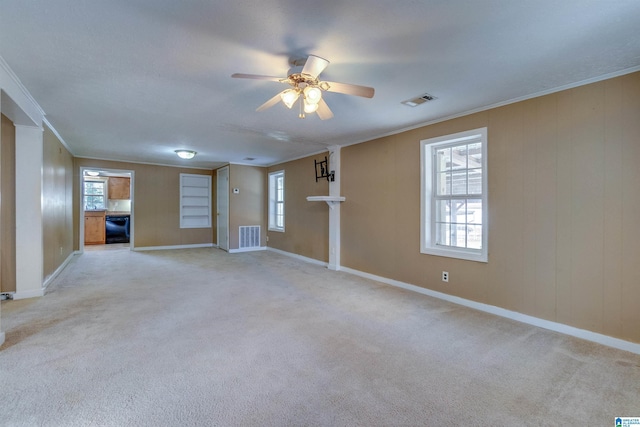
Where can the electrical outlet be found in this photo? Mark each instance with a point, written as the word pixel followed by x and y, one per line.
pixel 445 276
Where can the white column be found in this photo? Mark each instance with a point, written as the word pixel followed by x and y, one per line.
pixel 29 244
pixel 334 211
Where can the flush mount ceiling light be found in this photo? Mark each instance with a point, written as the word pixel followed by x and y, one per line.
pixel 92 173
pixel 186 154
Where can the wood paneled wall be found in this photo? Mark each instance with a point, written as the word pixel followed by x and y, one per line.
pixel 246 208
pixel 7 205
pixel 306 223
pixel 563 193
pixel 57 203
pixel 156 204
pixel 564 199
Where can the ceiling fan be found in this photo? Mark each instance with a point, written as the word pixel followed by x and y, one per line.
pixel 306 88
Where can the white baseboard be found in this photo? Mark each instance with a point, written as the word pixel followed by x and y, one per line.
pixel 513 315
pixel 29 294
pixel 162 248
pixel 1 338
pixel 52 276
pixel 300 257
pixel 235 251
pixel 502 312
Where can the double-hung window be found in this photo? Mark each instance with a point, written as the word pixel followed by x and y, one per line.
pixel 276 201
pixel 454 208
pixel 94 194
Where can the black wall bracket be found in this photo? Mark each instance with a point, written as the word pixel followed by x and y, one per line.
pixel 322 170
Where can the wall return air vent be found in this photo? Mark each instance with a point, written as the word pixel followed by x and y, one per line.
pixel 420 99
pixel 249 236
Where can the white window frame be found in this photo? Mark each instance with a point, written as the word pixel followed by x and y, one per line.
pixel 105 191
pixel 274 201
pixel 427 202
pixel 195 201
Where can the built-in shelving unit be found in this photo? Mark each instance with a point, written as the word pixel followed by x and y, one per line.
pixel 195 201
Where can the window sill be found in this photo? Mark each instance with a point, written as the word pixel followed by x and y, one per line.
pixel 456 253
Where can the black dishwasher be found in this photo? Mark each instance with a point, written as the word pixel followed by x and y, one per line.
pixel 117 228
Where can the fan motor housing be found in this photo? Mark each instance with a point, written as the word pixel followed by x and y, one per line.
pixel 302 79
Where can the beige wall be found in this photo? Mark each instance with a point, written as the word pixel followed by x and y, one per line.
pixel 57 198
pixel 306 223
pixel 156 204
pixel 564 201
pixel 246 207
pixel 7 205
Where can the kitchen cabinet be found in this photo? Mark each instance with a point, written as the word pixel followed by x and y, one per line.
pixel 94 228
pixel 119 188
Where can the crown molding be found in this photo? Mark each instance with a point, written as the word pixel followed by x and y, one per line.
pixel 501 104
pixel 144 163
pixel 7 69
pixel 55 132
pixel 304 156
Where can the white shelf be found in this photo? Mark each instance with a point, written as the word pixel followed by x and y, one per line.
pixel 331 200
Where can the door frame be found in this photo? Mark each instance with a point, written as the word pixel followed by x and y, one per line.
pixel 219 194
pixel 124 172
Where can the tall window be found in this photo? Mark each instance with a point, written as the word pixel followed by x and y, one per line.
pixel 276 201
pixel 454 196
pixel 94 195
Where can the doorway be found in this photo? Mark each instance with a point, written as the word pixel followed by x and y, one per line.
pixel 222 188
pixel 106 209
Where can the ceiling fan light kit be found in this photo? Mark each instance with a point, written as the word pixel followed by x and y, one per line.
pixel 289 97
pixel 305 82
pixel 312 94
pixel 310 108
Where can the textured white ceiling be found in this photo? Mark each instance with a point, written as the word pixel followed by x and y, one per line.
pixel 136 79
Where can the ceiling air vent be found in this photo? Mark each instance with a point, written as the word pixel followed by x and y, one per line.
pixel 420 99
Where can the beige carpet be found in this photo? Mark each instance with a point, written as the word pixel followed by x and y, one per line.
pixel 201 337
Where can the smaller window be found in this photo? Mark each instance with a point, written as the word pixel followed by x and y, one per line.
pixel 276 201
pixel 94 194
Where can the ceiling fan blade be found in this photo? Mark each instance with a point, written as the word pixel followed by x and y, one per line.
pixel 349 89
pixel 257 77
pixel 323 111
pixel 270 103
pixel 314 66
